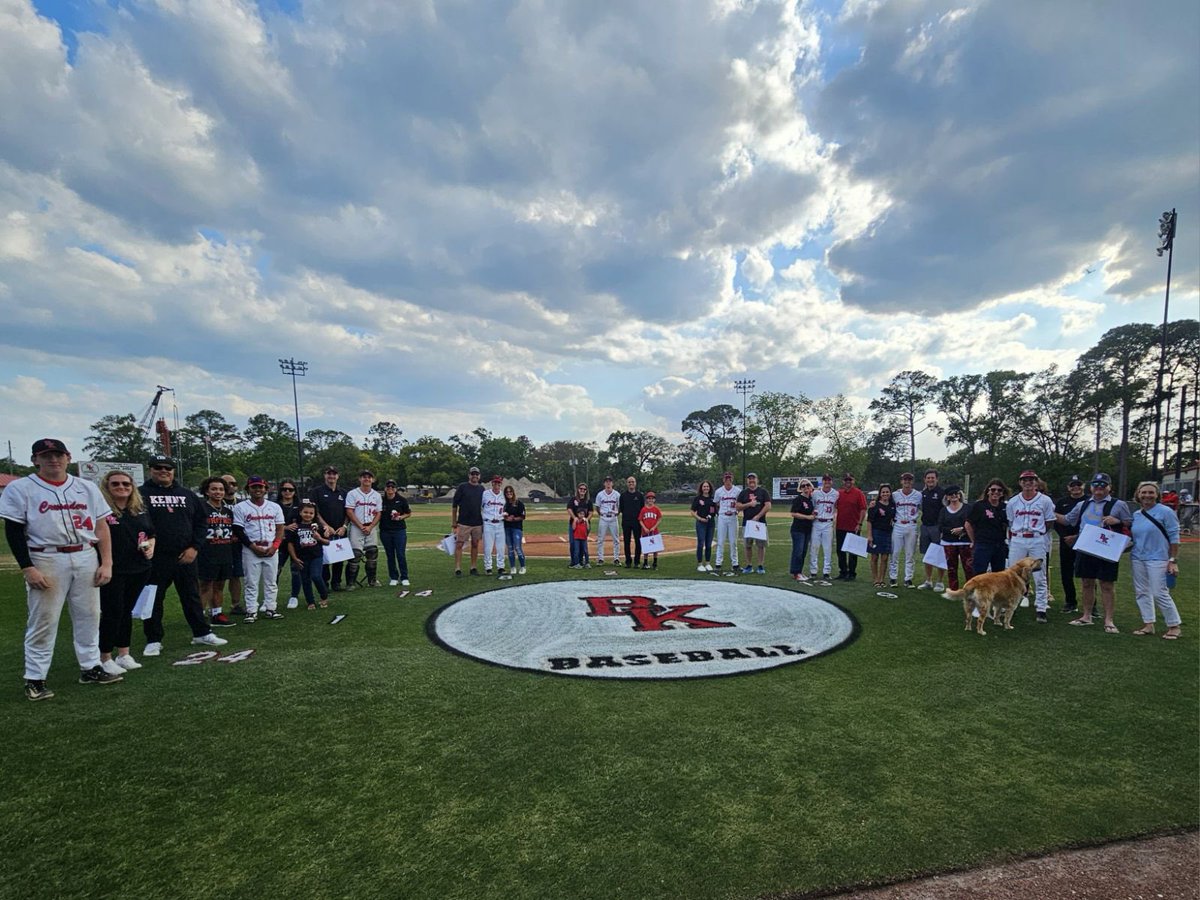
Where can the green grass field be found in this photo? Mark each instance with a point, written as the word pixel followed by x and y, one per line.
pixel 361 760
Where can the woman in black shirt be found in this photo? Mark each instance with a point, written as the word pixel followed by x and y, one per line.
pixel 132 549
pixel 704 511
pixel 987 527
pixel 881 519
pixel 514 530
pixel 952 525
pixel 804 513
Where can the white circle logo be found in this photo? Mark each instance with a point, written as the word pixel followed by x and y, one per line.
pixel 651 629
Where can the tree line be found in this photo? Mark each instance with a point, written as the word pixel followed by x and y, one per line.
pixel 1098 416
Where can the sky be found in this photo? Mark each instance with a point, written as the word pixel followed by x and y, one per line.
pixel 561 219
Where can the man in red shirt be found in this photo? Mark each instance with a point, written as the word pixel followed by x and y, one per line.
pixel 851 510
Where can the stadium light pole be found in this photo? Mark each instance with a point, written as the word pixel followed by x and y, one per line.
pixel 1166 244
pixel 745 387
pixel 296 367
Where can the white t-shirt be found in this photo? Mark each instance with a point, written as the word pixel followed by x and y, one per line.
pixel 366 504
pixel 726 498
pixel 607 503
pixel 492 506
pixel 54 515
pixel 258 521
pixel 908 508
pixel 1029 516
pixel 826 504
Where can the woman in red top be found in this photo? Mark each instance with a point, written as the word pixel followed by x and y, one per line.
pixel 649 518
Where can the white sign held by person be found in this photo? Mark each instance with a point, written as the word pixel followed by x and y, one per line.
pixel 755 531
pixel 1100 542
pixel 93 471
pixel 652 543
pixel 854 543
pixel 338 550
pixel 935 556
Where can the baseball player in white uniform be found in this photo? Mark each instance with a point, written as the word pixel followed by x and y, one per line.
pixel 727 524
pixel 904 534
pixel 1030 514
pixel 608 504
pixel 259 523
pixel 363 504
pixel 492 506
pixel 55 525
pixel 825 503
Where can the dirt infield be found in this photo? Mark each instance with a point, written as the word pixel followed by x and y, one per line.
pixel 551 546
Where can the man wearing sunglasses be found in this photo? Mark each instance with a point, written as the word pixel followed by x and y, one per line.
pixel 181 525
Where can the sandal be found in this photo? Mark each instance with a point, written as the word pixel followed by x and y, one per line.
pixel 1171 636
pixel 1144 630
pixel 1111 629
pixel 1081 622
pixel 312 606
pixel 324 604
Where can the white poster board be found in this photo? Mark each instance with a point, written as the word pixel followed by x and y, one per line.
pixel 652 543
pixel 338 550
pixel 447 545
pixel 854 543
pixel 144 607
pixel 93 471
pixel 755 531
pixel 1100 542
pixel 935 556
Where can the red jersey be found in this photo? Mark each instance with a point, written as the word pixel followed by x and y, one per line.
pixel 649 517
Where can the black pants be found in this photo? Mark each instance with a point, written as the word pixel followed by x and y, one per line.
pixel 847 562
pixel 1066 571
pixel 632 533
pixel 333 574
pixel 117 599
pixel 167 571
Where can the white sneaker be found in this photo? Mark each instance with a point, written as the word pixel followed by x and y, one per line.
pixel 394 582
pixel 700 568
pixel 152 649
pixel 521 571
pixel 404 582
pixel 939 588
pixel 110 666
pixel 210 640
pixel 924 585
pixel 293 602
pixel 708 567
pixel 127 662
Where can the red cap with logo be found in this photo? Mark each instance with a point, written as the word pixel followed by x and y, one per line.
pixel 49 445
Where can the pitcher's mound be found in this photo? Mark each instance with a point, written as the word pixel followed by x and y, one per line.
pixel 550 546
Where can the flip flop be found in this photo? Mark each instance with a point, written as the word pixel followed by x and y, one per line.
pixel 1080 622
pixel 1111 629
pixel 1141 631
pixel 1171 637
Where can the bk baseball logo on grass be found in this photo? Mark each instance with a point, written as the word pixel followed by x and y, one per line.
pixel 661 630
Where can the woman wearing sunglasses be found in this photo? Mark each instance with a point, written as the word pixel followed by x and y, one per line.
pixel 987 527
pixel 132 549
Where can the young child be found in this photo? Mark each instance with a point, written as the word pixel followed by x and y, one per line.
pixel 649 518
pixel 579 544
pixel 304 548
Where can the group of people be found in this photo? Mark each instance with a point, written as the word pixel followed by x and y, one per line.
pixel 103 549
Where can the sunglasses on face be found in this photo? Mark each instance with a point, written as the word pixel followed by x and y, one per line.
pixel 995 490
pixel 162 469
pixel 287 490
pixel 113 484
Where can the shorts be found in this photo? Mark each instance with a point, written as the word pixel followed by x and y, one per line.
pixel 472 533
pixel 1094 567
pixel 930 534
pixel 882 542
pixel 209 568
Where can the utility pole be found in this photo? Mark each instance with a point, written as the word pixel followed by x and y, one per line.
pixel 1166 244
pixel 296 367
pixel 745 387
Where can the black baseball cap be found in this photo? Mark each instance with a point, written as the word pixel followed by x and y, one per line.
pixel 331 470
pixel 391 482
pixel 255 481
pixel 366 473
pixel 474 470
pixel 1075 480
pixel 162 462
pixel 49 445
pixel 608 478
pixel 953 489
pixel 1101 480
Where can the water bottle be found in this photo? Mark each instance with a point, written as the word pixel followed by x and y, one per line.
pixel 1170 581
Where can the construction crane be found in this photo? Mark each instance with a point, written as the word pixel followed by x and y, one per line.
pixel 148 421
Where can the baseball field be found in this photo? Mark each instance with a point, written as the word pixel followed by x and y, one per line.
pixel 361 759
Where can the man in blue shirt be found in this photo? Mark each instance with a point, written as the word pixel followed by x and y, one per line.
pixel 1103 511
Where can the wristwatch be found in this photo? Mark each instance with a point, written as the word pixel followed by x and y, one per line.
pixel 1172 560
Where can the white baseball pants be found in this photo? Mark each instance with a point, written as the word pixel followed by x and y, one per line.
pixel 493 545
pixel 257 567
pixel 72 580
pixel 904 540
pixel 1021 547
pixel 822 539
pixel 609 527
pixel 727 530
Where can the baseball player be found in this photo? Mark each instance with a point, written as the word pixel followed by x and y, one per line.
pixel 727 524
pixel 258 523
pixel 55 524
pixel 608 503
pixel 1028 515
pixel 492 507
pixel 904 534
pixel 825 501
pixel 363 504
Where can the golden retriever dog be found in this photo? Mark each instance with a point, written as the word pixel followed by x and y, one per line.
pixel 999 591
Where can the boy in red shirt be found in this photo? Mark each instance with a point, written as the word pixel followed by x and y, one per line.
pixel 649 518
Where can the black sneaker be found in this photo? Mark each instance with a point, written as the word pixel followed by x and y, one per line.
pixel 96 675
pixel 270 614
pixel 337 588
pixel 628 564
pixel 474 571
pixel 458 573
pixel 37 690
pixel 1073 608
pixel 220 620
pixel 1041 617
pixel 375 583
pixel 238 611
pixel 892 583
pixel 655 566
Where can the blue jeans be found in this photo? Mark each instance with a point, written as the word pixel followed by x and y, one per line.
pixel 799 546
pixel 313 573
pixel 989 556
pixel 579 551
pixel 394 544
pixel 512 541
pixel 704 539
